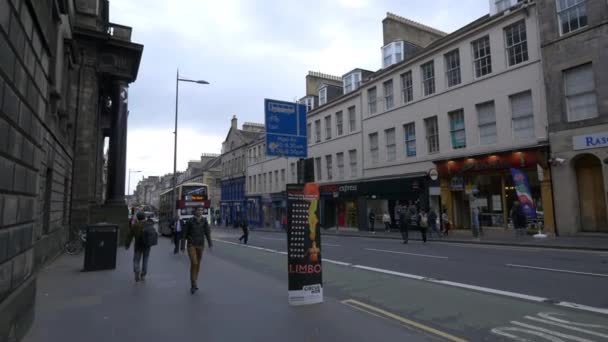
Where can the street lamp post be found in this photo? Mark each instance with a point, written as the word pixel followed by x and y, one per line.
pixel 177 80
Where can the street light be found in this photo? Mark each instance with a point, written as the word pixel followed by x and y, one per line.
pixel 129 183
pixel 177 80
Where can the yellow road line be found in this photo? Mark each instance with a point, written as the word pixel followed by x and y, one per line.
pixel 375 311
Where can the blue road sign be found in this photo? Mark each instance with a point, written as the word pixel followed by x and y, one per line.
pixel 285 129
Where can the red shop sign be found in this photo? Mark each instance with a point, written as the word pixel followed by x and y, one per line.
pixel 497 162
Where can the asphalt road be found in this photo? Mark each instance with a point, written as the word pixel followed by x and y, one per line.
pixel 561 275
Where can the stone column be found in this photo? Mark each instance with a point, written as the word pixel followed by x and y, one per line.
pixel 117 156
pixel 546 194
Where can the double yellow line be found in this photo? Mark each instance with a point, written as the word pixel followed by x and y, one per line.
pixel 375 311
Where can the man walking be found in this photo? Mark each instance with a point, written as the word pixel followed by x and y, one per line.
pixel 197 229
pixel 178 237
pixel 372 220
pixel 386 219
pixel 519 219
pixel 477 232
pixel 432 218
pixel 403 224
pixel 423 223
pixel 136 232
pixel 245 227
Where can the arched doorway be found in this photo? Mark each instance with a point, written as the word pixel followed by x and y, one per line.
pixel 591 193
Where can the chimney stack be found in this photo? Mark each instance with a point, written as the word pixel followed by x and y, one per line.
pixel 234 123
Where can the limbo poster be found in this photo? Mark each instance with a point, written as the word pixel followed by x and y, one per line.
pixel 304 245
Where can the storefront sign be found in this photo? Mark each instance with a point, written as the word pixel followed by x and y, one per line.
pixel 524 195
pixel 587 141
pixel 433 174
pixel 457 183
pixel 305 281
pixel 340 189
pixel 498 162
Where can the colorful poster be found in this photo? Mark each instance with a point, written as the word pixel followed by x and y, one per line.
pixel 305 281
pixel 524 195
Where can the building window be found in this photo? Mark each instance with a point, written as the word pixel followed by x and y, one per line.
pixel 309 133
pixel 352 158
pixel 428 78
pixel 410 139
pixel 260 189
pixel 371 100
pixel 264 188
pixel 407 90
pixel 486 119
pixel 339 123
pixel 340 162
pixel 317 131
pixel 276 179
pixel 452 65
pixel 482 58
pixel 432 134
pixel 352 119
pixel 517 45
pixel 293 172
pixel 572 15
pixel 283 176
pixel 318 168
pixel 322 96
pixel 457 130
pixel 581 101
pixel 328 164
pixel 352 82
pixel 270 188
pixel 523 115
pixel 391 147
pixel 310 103
pixel 327 127
pixel 373 148
pixel 502 5
pixel 255 182
pixel 392 53
pixel 388 94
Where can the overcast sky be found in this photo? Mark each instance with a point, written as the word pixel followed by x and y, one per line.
pixel 248 51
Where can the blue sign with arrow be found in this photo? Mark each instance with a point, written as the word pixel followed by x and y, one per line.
pixel 285 129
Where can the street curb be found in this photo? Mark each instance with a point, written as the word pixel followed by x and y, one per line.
pixel 491 243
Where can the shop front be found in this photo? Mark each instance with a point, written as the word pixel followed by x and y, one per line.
pixel 349 205
pixel 487 183
pixel 254 211
pixel 278 208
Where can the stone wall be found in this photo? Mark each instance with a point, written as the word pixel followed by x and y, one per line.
pixel 35 158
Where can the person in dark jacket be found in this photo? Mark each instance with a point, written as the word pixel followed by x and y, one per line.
pixel 245 227
pixel 432 218
pixel 197 229
pixel 372 220
pixel 139 249
pixel 403 224
pixel 518 216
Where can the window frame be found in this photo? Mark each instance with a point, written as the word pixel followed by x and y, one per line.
pixel 432 138
pixel 567 96
pixel 486 124
pixel 428 78
pixel 309 133
pixel 511 49
pixel 329 166
pixel 340 164
pixel 318 169
pixel 478 58
pixel 389 102
pixel 372 102
pixel 328 128
pixel 452 74
pixel 374 148
pixel 391 147
pixel 339 123
pixel 576 6
pixel 409 136
pixel 352 118
pixel 407 87
pixel 453 116
pixel 522 117
pixel 318 131
pixel 322 96
pixel 352 162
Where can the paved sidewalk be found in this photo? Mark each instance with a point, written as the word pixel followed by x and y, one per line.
pixel 493 236
pixel 235 303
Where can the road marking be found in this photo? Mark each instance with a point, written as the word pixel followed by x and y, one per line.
pixel 557 270
pixel 551 332
pixel 273 239
pixel 506 332
pixel 447 283
pixel 548 316
pixel 567 327
pixel 341 263
pixel 370 309
pixel 329 244
pixel 414 254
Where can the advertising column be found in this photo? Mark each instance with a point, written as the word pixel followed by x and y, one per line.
pixel 305 283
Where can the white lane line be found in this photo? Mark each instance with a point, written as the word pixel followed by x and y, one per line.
pixel 329 244
pixel 567 327
pixel 273 239
pixel 414 254
pixel 557 270
pixel 341 263
pixel 551 332
pixel 445 282
pixel 583 307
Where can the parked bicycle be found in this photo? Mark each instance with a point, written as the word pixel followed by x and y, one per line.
pixel 76 243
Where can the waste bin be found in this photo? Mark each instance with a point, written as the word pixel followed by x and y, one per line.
pixel 101 247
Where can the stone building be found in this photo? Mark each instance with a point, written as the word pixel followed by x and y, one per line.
pixel 575 58
pixel 64 71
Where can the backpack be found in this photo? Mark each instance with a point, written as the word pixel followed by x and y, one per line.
pixel 149 236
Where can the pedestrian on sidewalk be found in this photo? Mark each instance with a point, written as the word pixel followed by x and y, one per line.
pixel 197 229
pixel 446 223
pixel 245 227
pixel 178 236
pixel 423 223
pixel 372 220
pixel 475 227
pixel 432 219
pixel 140 250
pixel 386 218
pixel 520 221
pixel 403 224
pixel 284 222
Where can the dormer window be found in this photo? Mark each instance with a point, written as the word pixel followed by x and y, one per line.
pixel 322 96
pixel 351 82
pixel 392 53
